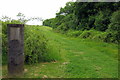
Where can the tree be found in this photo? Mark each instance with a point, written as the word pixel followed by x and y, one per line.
pixel 83 16
pixel 5 18
pixel 23 19
pixel 115 21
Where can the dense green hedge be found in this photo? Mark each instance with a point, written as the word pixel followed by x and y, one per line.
pixel 36 47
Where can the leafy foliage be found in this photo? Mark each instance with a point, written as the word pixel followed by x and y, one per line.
pixel 114 26
pixel 36 46
pixel 102 17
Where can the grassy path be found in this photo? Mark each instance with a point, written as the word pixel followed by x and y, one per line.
pixel 80 59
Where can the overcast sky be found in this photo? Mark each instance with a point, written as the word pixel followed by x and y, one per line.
pixel 31 8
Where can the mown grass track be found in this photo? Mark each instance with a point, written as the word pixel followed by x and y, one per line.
pixel 81 58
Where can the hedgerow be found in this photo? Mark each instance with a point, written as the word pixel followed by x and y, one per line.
pixel 36 46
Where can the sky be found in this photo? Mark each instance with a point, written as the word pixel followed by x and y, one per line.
pixel 31 8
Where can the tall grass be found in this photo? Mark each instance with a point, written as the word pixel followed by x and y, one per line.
pixel 37 47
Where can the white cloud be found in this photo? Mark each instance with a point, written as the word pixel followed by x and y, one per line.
pixel 31 8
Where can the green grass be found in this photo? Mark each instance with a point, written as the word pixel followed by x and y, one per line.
pixel 81 58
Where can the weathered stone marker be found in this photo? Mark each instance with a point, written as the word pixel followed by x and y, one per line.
pixel 15 49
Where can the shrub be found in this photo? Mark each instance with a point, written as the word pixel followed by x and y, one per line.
pixel 4 43
pixel 100 36
pixel 36 47
pixel 115 18
pixel 62 27
pixel 115 22
pixel 85 34
pixel 4 27
pixel 74 33
pixel 105 37
pixel 101 21
pixel 114 26
pixel 88 34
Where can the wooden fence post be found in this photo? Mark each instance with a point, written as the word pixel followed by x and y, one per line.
pixel 15 49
